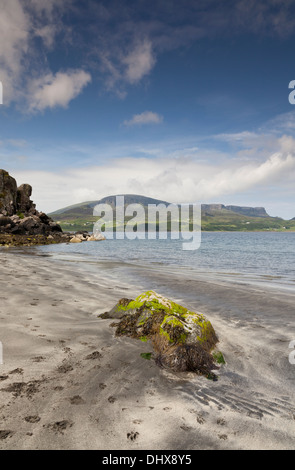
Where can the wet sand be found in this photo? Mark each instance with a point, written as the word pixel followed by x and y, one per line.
pixel 67 383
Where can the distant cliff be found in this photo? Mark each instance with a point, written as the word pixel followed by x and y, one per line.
pixel 243 210
pixel 249 211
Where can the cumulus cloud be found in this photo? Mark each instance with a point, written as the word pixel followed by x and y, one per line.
pixel 236 180
pixel 14 44
pixel 20 24
pixel 147 117
pixel 51 90
pixel 172 179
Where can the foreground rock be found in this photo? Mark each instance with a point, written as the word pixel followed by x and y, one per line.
pixel 182 340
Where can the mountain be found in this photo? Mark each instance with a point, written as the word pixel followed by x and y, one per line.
pixel 86 208
pixel 215 217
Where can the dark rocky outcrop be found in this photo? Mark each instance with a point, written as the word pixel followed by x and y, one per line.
pixel 182 340
pixel 23 201
pixel 21 223
pixel 8 194
pixel 18 214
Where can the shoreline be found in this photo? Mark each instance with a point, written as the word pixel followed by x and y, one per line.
pixel 85 262
pixel 9 240
pixel 12 240
pixel 82 388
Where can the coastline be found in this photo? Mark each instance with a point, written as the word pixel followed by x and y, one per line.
pixel 68 383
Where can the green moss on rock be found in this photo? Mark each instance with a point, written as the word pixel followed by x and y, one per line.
pixel 218 356
pixel 182 339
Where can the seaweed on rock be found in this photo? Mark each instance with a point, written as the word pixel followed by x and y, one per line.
pixel 182 340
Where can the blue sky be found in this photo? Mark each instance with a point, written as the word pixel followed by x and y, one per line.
pixel 183 101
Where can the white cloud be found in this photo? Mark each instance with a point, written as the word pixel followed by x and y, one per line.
pixel 126 64
pixel 126 46
pixel 283 122
pixel 44 7
pixel 14 44
pixel 147 117
pixel 139 62
pixel 237 137
pixel 20 23
pixel 51 90
pixel 171 179
pixel 236 180
pixel 47 33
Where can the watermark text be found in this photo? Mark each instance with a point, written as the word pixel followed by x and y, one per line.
pixel 292 93
pixel 135 221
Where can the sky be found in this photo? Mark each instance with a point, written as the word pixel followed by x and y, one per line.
pixel 181 101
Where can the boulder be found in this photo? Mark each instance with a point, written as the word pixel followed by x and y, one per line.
pixel 4 221
pixel 44 218
pixel 85 233
pixel 15 218
pixel 183 340
pixel 80 236
pixel 91 238
pixel 75 240
pixel 6 224
pixel 29 225
pixel 52 226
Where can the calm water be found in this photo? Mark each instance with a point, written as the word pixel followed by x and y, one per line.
pixel 267 258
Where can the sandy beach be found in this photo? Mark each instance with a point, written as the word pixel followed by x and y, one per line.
pixel 67 382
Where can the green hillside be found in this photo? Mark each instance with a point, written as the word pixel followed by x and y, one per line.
pixel 215 217
pixel 226 220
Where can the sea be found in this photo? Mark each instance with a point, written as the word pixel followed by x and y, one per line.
pixel 256 258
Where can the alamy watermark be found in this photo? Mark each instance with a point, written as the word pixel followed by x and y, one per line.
pixel 135 221
pixel 292 93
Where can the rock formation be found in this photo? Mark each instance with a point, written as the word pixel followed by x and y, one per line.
pixel 8 194
pixel 18 214
pixel 22 224
pixel 182 340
